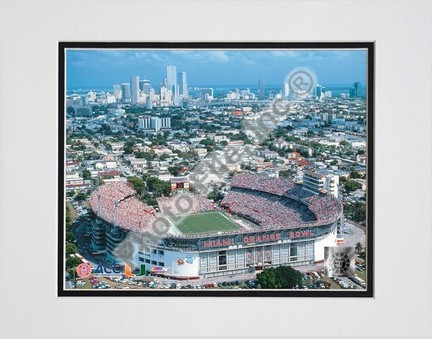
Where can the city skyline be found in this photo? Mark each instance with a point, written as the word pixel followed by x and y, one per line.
pixel 103 68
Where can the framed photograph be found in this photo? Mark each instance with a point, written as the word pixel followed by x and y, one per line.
pixel 239 169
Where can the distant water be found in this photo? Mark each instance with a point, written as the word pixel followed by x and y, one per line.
pixel 222 90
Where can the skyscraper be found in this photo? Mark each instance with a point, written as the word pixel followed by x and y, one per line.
pixel 126 92
pixel 355 90
pixel 171 77
pixel 117 92
pixel 319 90
pixel 183 84
pixel 261 89
pixel 135 89
pixel 176 95
pixel 285 90
pixel 145 86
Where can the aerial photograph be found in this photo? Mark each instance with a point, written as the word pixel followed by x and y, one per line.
pixel 214 170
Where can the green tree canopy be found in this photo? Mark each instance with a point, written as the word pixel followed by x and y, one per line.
pixel 72 262
pixel 280 277
pixel 71 249
pixel 352 185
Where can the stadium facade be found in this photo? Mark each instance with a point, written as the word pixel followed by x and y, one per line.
pixel 274 222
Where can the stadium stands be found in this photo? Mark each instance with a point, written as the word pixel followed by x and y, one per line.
pixel 261 183
pixel 269 202
pixel 132 214
pixel 278 203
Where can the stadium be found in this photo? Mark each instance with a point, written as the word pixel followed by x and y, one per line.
pixel 261 222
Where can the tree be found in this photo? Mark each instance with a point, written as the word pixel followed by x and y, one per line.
pixel 280 277
pixel 68 216
pixel 69 236
pixel 128 146
pixel 139 185
pixel 81 196
pixel 175 170
pixel 86 174
pixel 352 185
pixel 158 187
pixel 356 211
pixel 287 173
pixel 71 249
pixel 72 262
pixel 164 157
pixel 146 155
pixel 355 175
pixel 215 194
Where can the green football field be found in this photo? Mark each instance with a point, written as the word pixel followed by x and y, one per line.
pixel 203 223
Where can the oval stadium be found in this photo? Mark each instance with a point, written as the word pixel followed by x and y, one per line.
pixel 261 222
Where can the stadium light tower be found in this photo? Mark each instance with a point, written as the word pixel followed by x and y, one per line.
pixel 116 213
pixel 99 203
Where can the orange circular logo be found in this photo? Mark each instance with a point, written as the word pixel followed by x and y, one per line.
pixel 83 270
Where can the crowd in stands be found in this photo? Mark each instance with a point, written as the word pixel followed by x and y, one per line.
pixel 270 203
pixel 184 203
pixel 261 183
pixel 325 207
pixel 275 203
pixel 269 211
pixel 115 203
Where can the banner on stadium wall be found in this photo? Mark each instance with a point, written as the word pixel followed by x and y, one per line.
pixel 257 239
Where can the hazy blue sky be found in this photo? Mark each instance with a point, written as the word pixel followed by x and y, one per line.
pixel 98 68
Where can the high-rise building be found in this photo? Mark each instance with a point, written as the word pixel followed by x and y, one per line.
pixel 171 77
pixel 319 182
pixel 319 90
pixel 126 93
pixel 183 84
pixel 84 100
pixel 135 89
pixel 357 86
pixel 285 90
pixel 149 102
pixel 144 123
pixel 145 86
pixel 176 94
pixel 261 89
pixel 154 123
pixel 117 92
pixel 165 122
pixel 355 90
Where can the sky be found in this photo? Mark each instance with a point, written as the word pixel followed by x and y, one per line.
pixel 103 68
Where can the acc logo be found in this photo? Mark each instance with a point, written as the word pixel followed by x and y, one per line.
pixel 83 270
pixel 106 269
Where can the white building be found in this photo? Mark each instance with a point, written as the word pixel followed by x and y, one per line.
pixel 154 123
pixel 317 182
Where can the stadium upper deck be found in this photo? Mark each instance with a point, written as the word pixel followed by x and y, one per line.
pixel 269 202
